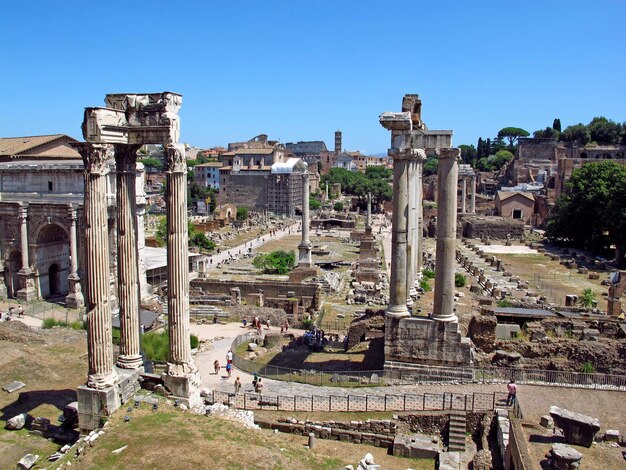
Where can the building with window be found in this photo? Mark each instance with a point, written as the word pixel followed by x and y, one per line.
pixel 208 174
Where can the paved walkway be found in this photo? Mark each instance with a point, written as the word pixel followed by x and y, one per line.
pixel 238 251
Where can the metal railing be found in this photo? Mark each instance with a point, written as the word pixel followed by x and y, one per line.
pixel 361 403
pixel 419 374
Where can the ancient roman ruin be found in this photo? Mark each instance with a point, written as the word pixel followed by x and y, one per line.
pixel 117 131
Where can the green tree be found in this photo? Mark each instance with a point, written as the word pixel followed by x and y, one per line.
pixel 160 234
pixel 152 164
pixel 200 240
pixel 576 133
pixel 430 166
pixel 459 280
pixel 338 206
pixel 592 212
pixel 378 172
pixel 604 131
pixel 587 299
pixel 512 134
pixel 547 133
pixel 276 262
pixel 314 204
pixel 468 153
pixel 556 125
pixel 242 213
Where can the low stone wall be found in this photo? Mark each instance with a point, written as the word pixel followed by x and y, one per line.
pixel 379 433
pixel 272 289
pixel 517 456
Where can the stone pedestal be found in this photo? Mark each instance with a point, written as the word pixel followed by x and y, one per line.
pixel 423 341
pixel 96 405
pixel 74 298
pixel 305 268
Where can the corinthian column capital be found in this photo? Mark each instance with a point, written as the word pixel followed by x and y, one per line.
pixel 175 158
pixel 95 157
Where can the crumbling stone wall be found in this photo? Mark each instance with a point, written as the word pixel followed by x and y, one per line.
pixel 372 320
pixel 482 331
pixel 493 227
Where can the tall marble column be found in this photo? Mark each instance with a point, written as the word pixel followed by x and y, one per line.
pixel 411 226
pixel 473 195
pixel 398 282
pixel 128 268
pixel 74 298
pixel 180 363
pixel 27 283
pixel 101 373
pixel 447 184
pixel 419 168
pixel 368 220
pixel 463 193
pixel 304 248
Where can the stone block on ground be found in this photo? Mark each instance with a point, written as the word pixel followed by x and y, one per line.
pixel 27 462
pixel 563 457
pixel 546 421
pixel 577 428
pixel 13 386
pixel 450 461
pixel 17 422
pixel 415 446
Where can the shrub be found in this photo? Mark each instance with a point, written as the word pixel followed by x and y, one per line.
pixel 276 262
pixel 306 323
pixel 587 299
pixel 156 345
pixel 242 213
pixel 51 323
pixel 428 273
pixel 504 303
pixel 338 206
pixel 424 284
pixel 459 280
pixel 314 204
pixel 587 368
pixel 116 336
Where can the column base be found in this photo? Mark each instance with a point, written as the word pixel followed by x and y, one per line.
pixel 95 405
pixel 185 388
pixel 75 297
pixel 423 341
pixel 130 362
pixel 397 311
pixel 445 319
pixel 28 291
pixel 303 271
pixel 102 381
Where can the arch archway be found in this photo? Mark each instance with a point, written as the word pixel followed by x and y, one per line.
pixel 52 260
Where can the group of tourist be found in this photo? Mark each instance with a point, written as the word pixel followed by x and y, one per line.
pixel 9 315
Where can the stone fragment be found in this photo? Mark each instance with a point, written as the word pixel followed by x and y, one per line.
pixel 119 450
pixel 546 421
pixel 252 346
pixel 414 446
pixel 612 435
pixel 13 386
pixel 577 428
pixel 450 461
pixel 17 422
pixel 563 457
pixel 27 462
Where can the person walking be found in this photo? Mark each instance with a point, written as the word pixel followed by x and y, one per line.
pixel 20 312
pixel 259 387
pixel 229 356
pixel 237 385
pixel 216 366
pixel 512 389
pixel 229 369
pixel 255 380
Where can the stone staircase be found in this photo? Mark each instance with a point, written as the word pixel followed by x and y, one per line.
pixel 456 435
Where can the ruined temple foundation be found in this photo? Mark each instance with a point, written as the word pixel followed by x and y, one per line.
pixel 412 343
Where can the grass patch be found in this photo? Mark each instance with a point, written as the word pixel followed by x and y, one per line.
pixel 425 285
pixel 428 273
pixel 156 345
pixel 52 323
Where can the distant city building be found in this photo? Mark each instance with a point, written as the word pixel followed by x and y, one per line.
pixel 301 148
pixel 208 174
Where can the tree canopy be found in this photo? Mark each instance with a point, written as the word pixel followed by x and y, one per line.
pixel 494 162
pixel 276 262
pixel 512 134
pixel 592 212
pixel 374 180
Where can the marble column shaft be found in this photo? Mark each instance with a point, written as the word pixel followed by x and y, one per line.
pixel 447 184
pixel 398 282
pixel 23 216
pixel 473 195
pixel 101 373
pixel 419 168
pixel 463 193
pixel 411 227
pixel 368 221
pixel 128 269
pixel 180 361
pixel 74 298
pixel 304 249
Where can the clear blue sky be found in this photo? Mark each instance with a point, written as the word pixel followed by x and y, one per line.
pixel 301 70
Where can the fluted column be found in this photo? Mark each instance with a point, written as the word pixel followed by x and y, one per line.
pixel 419 168
pixel 27 283
pixel 304 248
pixel 473 195
pixel 180 362
pixel 101 373
pixel 447 184
pixel 463 193
pixel 398 282
pixel 74 297
pixel 128 270
pixel 411 223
